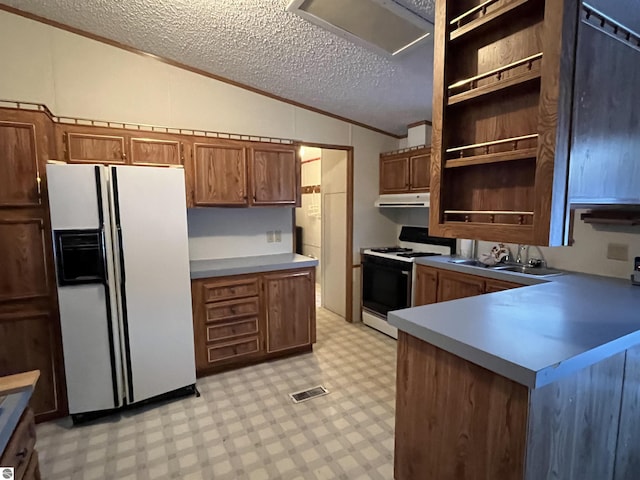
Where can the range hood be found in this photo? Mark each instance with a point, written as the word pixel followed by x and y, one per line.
pixel 403 200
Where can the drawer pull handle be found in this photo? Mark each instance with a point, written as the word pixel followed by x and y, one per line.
pixel 22 453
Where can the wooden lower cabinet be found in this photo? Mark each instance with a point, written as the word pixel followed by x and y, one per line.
pixel 458 421
pixel 244 319
pixel 290 317
pixel 20 452
pixel 453 285
pixel 438 285
pixel 426 286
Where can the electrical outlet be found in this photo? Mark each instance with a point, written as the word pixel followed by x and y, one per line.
pixel 278 236
pixel 270 236
pixel 618 251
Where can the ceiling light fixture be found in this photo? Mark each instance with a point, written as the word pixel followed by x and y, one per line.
pixel 382 25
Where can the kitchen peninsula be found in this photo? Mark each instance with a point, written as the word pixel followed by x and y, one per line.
pixel 538 382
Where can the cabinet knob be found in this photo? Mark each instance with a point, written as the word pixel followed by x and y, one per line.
pixel 22 453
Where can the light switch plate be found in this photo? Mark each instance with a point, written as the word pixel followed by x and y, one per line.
pixel 618 251
pixel 278 236
pixel 270 236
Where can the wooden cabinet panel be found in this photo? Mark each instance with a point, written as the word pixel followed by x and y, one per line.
pixel 473 421
pixel 20 448
pixel 155 152
pixel 23 260
pixel 426 286
pixel 19 178
pixel 394 175
pixel 227 289
pixel 28 342
pixel 237 328
pixel 275 173
pixel 231 309
pixel 290 309
pixel 419 172
pixel 33 469
pixel 452 286
pixel 94 148
pixel 492 285
pixel 220 175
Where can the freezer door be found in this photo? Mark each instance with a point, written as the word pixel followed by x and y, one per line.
pixel 155 291
pixel 78 202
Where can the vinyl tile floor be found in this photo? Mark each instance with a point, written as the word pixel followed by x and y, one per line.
pixel 244 425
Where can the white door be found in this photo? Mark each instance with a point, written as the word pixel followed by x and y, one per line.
pixel 150 208
pixel 89 334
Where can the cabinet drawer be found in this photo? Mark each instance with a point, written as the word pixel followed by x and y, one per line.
pixel 238 348
pixel 231 309
pixel 21 445
pixel 229 330
pixel 227 290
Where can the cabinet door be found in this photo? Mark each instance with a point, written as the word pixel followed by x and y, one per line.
pixel 95 148
pixel 290 309
pixel 498 285
pixel 220 175
pixel 275 174
pixel 419 168
pixel 426 286
pixel 28 341
pixel 452 286
pixel 19 178
pixel 155 152
pixel 394 175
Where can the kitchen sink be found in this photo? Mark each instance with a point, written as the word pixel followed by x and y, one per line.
pixel 527 270
pixel 470 263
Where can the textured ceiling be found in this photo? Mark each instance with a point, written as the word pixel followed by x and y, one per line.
pixel 259 43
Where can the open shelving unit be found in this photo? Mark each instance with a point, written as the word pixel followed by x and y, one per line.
pixel 497 148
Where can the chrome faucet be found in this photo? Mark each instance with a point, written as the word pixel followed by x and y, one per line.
pixel 523 257
pixel 522 249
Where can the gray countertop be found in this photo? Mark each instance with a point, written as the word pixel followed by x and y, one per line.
pixel 11 410
pixel 237 266
pixel 533 335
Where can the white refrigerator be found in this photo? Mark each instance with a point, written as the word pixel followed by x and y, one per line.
pixel 122 268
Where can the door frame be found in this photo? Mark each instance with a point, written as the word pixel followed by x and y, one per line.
pixel 349 247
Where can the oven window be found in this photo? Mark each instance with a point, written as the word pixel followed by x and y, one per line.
pixel 384 288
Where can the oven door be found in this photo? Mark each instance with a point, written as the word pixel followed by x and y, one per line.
pixel 386 284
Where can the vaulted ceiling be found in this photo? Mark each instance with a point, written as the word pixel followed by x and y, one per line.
pixel 258 43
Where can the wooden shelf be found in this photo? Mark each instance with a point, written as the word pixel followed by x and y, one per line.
pixel 520 154
pixel 485 19
pixel 471 217
pixel 612 217
pixel 497 86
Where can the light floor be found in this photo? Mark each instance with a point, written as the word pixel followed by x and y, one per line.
pixel 244 426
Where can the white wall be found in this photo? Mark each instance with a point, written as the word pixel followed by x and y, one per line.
pixel 237 232
pixel 589 252
pixel 76 76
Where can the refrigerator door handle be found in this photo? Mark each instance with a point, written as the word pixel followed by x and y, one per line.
pixel 107 292
pixel 123 290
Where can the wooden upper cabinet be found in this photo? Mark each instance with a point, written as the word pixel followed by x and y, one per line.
pixel 275 175
pixel 394 175
pixel 503 87
pixel 290 309
pixel 453 285
pixel 220 173
pixel 406 171
pixel 155 152
pixel 426 287
pixel 19 176
pixel 419 172
pixel 95 148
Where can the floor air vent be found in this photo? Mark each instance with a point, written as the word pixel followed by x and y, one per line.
pixel 305 395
